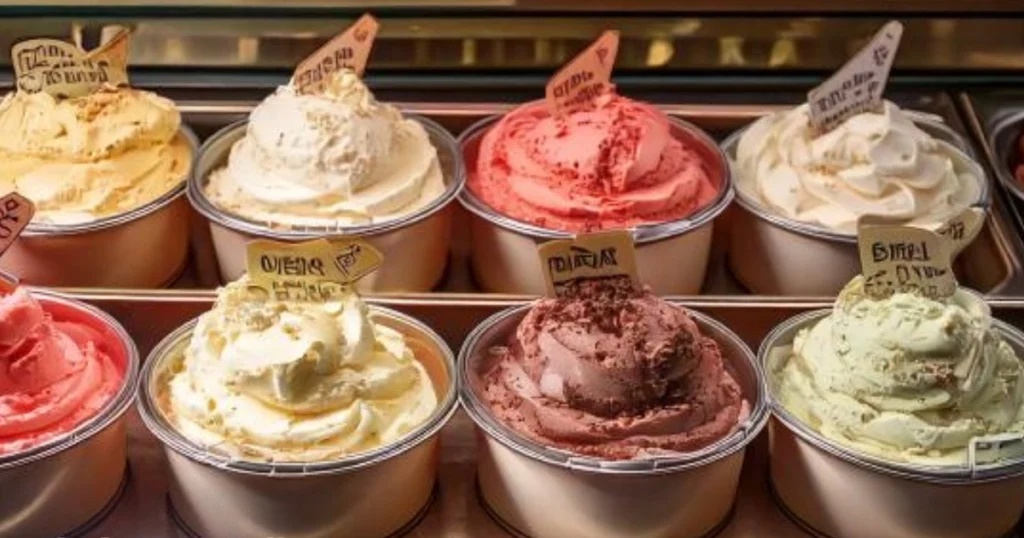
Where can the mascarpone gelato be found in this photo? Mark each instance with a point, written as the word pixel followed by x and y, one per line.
pixel 875 163
pixel 338 158
pixel 267 380
pixel 905 378
pixel 91 157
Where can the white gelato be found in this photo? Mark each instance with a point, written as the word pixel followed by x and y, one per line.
pixel 873 163
pixel 338 158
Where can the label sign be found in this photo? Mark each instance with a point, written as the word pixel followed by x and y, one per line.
pixel 63 70
pixel 318 270
pixel 994 449
pixel 904 259
pixel 598 255
pixel 114 51
pixel 961 230
pixel 858 86
pixel 350 49
pixel 16 212
pixel 586 77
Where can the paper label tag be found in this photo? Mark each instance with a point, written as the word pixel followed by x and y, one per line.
pixel 598 255
pixel 586 77
pixel 858 86
pixel 62 69
pixel 316 270
pixel 16 212
pixel 349 49
pixel 961 230
pixel 995 448
pixel 114 50
pixel 904 259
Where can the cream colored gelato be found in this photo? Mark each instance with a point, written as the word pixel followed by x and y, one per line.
pixel 338 158
pixel 275 381
pixel 91 157
pixel 906 378
pixel 877 163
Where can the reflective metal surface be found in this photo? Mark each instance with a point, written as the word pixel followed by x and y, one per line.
pixel 471 42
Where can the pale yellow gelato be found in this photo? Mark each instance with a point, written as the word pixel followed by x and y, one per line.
pixel 90 157
pixel 295 381
pixel 337 158
pixel 906 378
pixel 874 163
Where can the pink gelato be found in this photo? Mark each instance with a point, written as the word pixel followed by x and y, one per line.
pixel 611 166
pixel 613 372
pixel 55 372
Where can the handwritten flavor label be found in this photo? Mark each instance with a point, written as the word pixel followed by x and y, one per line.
pixel 961 230
pixel 114 50
pixel 350 49
pixel 995 449
pixel 318 270
pixel 598 255
pixel 858 86
pixel 62 69
pixel 16 212
pixel 586 77
pixel 904 259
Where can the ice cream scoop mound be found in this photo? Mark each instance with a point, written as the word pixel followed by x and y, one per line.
pixel 53 375
pixel 614 372
pixel 614 164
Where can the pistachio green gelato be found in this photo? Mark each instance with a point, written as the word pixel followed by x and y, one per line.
pixel 905 378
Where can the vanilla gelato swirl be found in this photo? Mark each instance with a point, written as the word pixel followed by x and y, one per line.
pixel 338 158
pixel 91 157
pixel 906 378
pixel 283 381
pixel 875 163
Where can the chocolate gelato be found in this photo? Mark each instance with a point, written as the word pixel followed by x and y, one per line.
pixel 614 372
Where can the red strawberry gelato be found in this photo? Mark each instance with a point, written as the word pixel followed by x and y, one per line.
pixel 57 370
pixel 613 372
pixel 614 164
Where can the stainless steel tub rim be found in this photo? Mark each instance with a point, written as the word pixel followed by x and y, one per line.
pixel 927 122
pixel 646 233
pixel 158 424
pixel 782 335
pixel 744 434
pixel 216 148
pixel 111 412
pixel 41 229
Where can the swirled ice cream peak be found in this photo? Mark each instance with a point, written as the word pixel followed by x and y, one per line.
pixel 334 158
pixel 874 163
pixel 907 378
pixel 296 381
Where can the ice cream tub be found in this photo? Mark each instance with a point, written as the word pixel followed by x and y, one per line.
pixel 672 256
pixel 108 252
pixel 770 253
pixel 1004 141
pixel 836 491
pixel 373 493
pixel 544 492
pixel 416 245
pixel 63 481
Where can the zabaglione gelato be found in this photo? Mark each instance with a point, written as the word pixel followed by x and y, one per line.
pixel 55 374
pixel 612 164
pixel 86 158
pixel 612 371
pixel 336 158
pixel 266 380
pixel 877 163
pixel 905 378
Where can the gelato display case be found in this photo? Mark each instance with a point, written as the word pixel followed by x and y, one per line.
pixel 452 69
